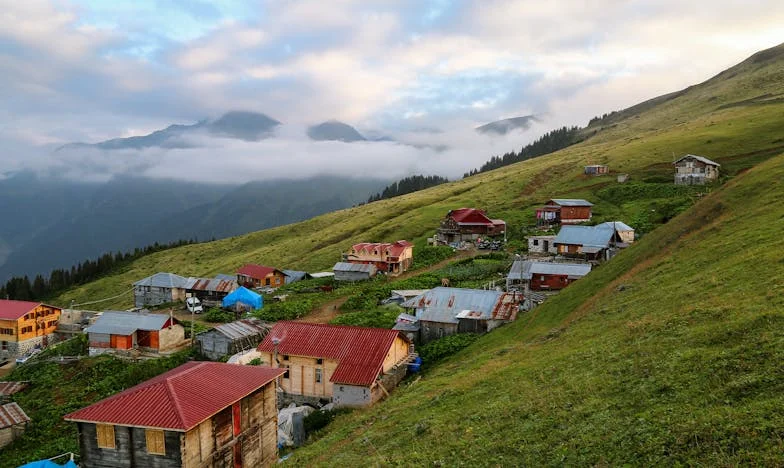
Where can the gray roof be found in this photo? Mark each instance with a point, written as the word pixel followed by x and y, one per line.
pixel 125 323
pixel 224 276
pixel 698 158
pixel 571 202
pixel 587 236
pixel 243 328
pixel 360 267
pixel 617 225
pixel 294 275
pixel 212 284
pixel 444 304
pixel 406 327
pixel 322 274
pixel 525 269
pixel 163 280
pixel 407 293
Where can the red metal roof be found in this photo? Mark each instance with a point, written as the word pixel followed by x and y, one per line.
pixel 395 248
pixel 181 398
pixel 360 351
pixel 470 216
pixel 256 271
pixel 12 310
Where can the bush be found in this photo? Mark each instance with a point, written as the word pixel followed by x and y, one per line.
pixel 293 308
pixel 255 362
pixel 430 255
pixel 217 315
pixel 379 317
pixel 320 418
pixel 446 346
pixel 76 346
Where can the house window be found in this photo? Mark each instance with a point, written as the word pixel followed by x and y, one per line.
pixel 6 331
pixel 155 442
pixel 267 281
pixel 541 278
pixel 536 241
pixel 440 332
pixel 285 357
pixel 105 434
pixel 286 374
pixel 319 361
pixel 4 345
pixel 318 375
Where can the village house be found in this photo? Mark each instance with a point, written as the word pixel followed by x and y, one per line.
pixel 445 311
pixel 160 288
pixel 392 258
pixel 259 276
pixel 589 242
pixel 624 232
pixel 468 225
pixel 13 422
pixel 541 244
pixel 25 325
pixel 596 169
pixel 563 211
pixel 200 414
pixel 527 275
pixel 120 332
pixel 345 271
pixel 231 338
pixel 292 276
pixel 210 289
pixel 351 366
pixel 695 170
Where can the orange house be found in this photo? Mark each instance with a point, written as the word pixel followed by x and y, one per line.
pixel 24 325
pixel 257 276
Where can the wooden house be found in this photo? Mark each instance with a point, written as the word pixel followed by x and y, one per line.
pixel 445 311
pixel 345 271
pixel 589 242
pixel 228 339
pixel 392 258
pixel 25 325
pixel 259 276
pixel 115 332
pixel 563 211
pixel 541 244
pixel 210 289
pixel 596 169
pixel 200 414
pixel 160 288
pixel 624 232
pixel 695 170
pixel 13 422
pixel 468 224
pixel 351 366
pixel 527 275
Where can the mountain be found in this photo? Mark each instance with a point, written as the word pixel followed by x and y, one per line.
pixel 241 125
pixel 502 127
pixel 334 131
pixel 668 354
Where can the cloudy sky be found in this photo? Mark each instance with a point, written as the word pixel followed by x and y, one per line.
pixel 93 69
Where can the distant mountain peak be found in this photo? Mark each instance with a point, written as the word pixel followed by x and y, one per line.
pixel 244 125
pixel 504 126
pixel 334 130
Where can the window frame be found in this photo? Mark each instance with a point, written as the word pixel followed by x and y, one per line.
pixel 102 436
pixel 318 376
pixel 148 435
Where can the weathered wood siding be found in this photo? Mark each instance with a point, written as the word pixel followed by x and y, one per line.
pixel 575 214
pixel 549 282
pixel 429 331
pixel 130 449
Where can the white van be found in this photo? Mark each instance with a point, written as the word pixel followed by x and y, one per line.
pixel 194 305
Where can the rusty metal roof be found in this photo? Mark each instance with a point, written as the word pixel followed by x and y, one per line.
pixel 12 414
pixel 9 388
pixel 242 328
pixel 180 399
pixel 219 285
pixel 360 351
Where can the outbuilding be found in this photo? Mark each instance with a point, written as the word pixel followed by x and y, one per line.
pixel 345 271
pixel 563 211
pixel 541 244
pixel 13 422
pixel 118 332
pixel 695 170
pixel 527 275
pixel 596 169
pixel 160 288
pixel 230 338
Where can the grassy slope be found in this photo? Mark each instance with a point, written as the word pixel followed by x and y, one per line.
pixel 670 353
pixel 720 118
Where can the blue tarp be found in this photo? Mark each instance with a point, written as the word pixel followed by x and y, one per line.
pixel 245 296
pixel 48 464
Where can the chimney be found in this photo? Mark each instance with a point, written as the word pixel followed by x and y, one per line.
pixel 275 344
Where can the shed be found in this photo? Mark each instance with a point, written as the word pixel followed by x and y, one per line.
pixel 13 422
pixel 596 169
pixel 294 275
pixel 345 271
pixel 243 296
pixel 541 244
pixel 212 289
pixel 120 330
pixel 230 338
pixel 531 275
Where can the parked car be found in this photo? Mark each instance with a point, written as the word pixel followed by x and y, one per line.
pixel 193 304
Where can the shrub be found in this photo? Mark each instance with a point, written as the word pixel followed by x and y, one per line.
pixel 255 362
pixel 217 315
pixel 379 317
pixel 446 346
pixel 320 418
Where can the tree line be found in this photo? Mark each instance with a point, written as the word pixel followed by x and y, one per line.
pixel 408 185
pixel 551 141
pixel 22 289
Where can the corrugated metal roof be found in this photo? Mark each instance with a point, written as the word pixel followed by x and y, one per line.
pixel 12 414
pixel 218 285
pixel 180 399
pixel 525 269
pixel 224 276
pixel 443 304
pixel 698 158
pixel 125 323
pixel 243 328
pixel 587 236
pixel 9 388
pixel 571 202
pixel 12 310
pixel 360 351
pixel 360 267
pixel 617 225
pixel 294 275
pixel 408 293
pixel 406 327
pixel 323 274
pixel 163 280
pixel 256 271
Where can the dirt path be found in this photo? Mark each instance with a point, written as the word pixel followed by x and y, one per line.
pixel 330 310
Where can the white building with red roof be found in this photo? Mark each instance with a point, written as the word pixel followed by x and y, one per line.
pixel 468 224
pixel 350 366
pixel 392 258
pixel 198 414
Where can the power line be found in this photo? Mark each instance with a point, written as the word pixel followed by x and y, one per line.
pixel 102 300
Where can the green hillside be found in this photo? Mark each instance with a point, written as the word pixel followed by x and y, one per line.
pixel 734 118
pixel 669 354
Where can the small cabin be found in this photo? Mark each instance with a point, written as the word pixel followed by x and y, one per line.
pixel 117 332
pixel 695 170
pixel 160 288
pixel 526 275
pixel 345 271
pixel 393 258
pixel 468 225
pixel 13 422
pixel 259 276
pixel 596 169
pixel 541 244
pixel 563 211
pixel 231 338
